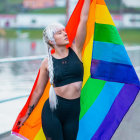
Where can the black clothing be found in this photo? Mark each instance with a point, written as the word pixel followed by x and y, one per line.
pixel 63 122
pixel 67 70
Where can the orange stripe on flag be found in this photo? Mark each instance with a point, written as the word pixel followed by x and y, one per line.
pixel 102 2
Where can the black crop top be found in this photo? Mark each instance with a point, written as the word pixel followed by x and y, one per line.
pixel 67 70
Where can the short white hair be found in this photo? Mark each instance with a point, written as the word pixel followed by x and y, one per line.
pixel 48 34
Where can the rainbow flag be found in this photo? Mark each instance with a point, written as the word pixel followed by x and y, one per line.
pixel 110 83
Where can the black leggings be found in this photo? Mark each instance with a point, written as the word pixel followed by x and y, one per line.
pixel 62 123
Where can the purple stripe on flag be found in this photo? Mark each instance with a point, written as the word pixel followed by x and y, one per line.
pixel 119 108
pixel 114 72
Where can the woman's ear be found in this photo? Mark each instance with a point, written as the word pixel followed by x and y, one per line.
pixel 51 42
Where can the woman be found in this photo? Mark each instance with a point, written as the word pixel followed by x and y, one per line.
pixel 60 114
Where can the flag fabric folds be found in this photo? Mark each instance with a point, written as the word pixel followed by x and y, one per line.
pixel 110 83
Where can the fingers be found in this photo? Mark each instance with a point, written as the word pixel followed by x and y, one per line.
pixel 19 124
pixel 21 121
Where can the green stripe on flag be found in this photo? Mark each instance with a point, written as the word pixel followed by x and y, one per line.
pixel 89 93
pixel 107 33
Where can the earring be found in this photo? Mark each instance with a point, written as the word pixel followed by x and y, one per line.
pixel 52 51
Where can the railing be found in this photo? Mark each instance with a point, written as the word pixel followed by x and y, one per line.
pixel 18 59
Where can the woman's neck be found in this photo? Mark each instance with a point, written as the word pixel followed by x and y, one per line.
pixel 61 52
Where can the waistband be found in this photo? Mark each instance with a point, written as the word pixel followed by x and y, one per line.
pixel 68 100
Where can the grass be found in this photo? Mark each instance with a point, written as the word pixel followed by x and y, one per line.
pixel 14 7
pixel 54 10
pixel 129 36
pixel 15 1
pixel 33 34
pixel 10 33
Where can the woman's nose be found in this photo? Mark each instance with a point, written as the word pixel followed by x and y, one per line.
pixel 65 33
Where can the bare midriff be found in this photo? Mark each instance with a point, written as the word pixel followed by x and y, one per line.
pixel 69 91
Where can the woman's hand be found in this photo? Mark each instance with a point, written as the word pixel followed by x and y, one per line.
pixel 22 120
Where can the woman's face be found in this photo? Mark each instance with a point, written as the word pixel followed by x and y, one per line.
pixel 61 37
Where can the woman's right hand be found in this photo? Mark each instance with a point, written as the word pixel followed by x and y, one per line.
pixel 22 120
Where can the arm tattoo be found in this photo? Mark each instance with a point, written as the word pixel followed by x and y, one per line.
pixel 30 109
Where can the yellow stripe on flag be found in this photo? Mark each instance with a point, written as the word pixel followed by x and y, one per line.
pixel 86 59
pixel 102 15
pixel 40 135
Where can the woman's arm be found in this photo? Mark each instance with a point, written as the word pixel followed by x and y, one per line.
pixel 40 87
pixel 41 84
pixel 81 31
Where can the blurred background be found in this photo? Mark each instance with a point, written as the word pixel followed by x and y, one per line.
pixel 22 49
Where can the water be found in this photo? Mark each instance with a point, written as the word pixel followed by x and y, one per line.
pixel 18 77
pixel 21 47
